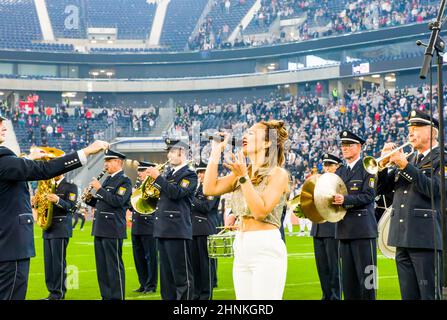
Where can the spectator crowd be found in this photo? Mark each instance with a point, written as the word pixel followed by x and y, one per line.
pixel 314 127
pixel 321 18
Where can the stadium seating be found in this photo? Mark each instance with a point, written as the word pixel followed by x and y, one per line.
pixel 20 28
pixel 181 19
pixel 35 133
pixel 59 11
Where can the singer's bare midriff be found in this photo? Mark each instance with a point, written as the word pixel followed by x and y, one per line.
pixel 250 224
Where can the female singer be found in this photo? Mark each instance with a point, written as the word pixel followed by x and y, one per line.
pixel 259 195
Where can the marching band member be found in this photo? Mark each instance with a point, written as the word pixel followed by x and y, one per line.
pixel 259 196
pixel 109 225
pixel 144 244
pixel 56 237
pixel 415 227
pixel 16 219
pixel 172 226
pixel 357 231
pixel 80 214
pixel 326 246
pixel 204 218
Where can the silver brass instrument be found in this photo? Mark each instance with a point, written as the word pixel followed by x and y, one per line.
pixel 372 165
pixel 145 198
pixel 86 195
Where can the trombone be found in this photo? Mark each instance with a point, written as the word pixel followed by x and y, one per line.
pixel 372 165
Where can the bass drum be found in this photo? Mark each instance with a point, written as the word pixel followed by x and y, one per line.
pixel 384 229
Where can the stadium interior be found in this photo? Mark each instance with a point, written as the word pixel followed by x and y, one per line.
pixel 140 71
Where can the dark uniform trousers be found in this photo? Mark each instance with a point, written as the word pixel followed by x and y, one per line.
pixel 16 218
pixel 56 239
pixel 110 267
pixel 415 228
pixel 173 230
pixel 204 218
pixel 145 253
pixel 417 274
pixel 326 258
pixel 14 279
pixel 176 277
pixel 109 229
pixel 55 252
pixel 357 234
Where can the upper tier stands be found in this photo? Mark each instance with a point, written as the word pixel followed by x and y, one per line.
pixel 180 21
pixel 20 28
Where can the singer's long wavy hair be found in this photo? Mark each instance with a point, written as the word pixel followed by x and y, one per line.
pixel 275 133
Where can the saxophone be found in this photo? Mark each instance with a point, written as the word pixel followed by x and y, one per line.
pixel 44 207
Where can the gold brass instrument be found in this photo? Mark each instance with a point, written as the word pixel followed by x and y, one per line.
pixel 44 207
pixel 315 198
pixel 295 205
pixel 145 198
pixel 372 165
pixel 86 195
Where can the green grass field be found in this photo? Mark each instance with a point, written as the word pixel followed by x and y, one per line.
pixel 302 278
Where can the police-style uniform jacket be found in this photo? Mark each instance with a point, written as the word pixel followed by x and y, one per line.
pixel 173 215
pixel 111 202
pixel 359 221
pixel 16 218
pixel 142 224
pixel 204 213
pixel 61 225
pixel 323 230
pixel 411 224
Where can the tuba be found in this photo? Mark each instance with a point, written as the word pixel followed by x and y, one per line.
pixel 145 198
pixel 44 207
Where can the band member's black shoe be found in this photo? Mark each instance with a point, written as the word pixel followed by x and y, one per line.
pixel 140 289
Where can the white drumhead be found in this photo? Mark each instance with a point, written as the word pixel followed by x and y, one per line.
pixel 384 229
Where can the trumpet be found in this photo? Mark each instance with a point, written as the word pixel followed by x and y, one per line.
pixel 372 165
pixel 86 195
pixel 145 198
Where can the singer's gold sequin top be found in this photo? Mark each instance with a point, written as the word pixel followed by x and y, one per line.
pixel 240 208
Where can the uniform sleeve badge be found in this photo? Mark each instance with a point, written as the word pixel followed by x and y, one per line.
pixel 72 196
pixel 184 183
pixel 121 191
pixel 371 182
